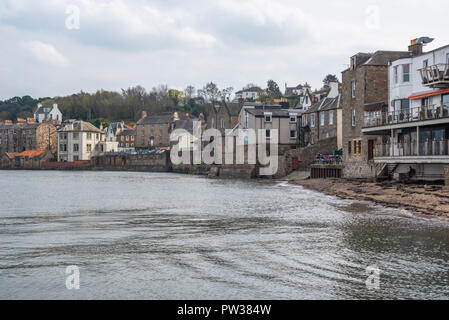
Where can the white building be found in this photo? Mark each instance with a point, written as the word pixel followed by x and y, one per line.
pixel 44 113
pixel 414 128
pixel 250 93
pixel 81 140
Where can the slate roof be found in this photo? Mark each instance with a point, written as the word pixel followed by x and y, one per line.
pixel 155 119
pixel 325 104
pixel 234 108
pixel 382 58
pixel 127 132
pixel 82 126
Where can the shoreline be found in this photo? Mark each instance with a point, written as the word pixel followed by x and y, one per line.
pixel 420 200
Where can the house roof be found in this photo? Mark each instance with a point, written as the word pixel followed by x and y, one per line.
pixel 40 109
pixel 28 153
pixel 382 58
pixel 184 124
pixel 81 126
pixel 276 113
pixel 325 104
pixel 234 108
pixel 161 119
pixel 19 125
pixel 127 132
pixel 252 89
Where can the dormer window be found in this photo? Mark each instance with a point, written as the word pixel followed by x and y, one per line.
pixel 293 117
pixel 268 116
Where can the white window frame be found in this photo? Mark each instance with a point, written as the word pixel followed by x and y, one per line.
pixel 268 115
pixel 222 123
pixel 295 136
pixel 312 120
pixel 353 88
pixel 353 117
pixel 293 117
pixel 403 73
pixel 322 118
pixel 268 134
pixel 331 117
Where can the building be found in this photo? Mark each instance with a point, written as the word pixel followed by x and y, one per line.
pixel 154 131
pixel 224 115
pixel 81 140
pixel 305 101
pixel 113 130
pixel 324 120
pixel 296 91
pixel 268 118
pixel 45 113
pixel 28 135
pixel 365 89
pixel 126 139
pixel 248 94
pixel 30 159
pixel 412 129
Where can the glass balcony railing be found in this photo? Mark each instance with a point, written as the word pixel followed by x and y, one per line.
pixel 435 76
pixel 413 149
pixel 408 115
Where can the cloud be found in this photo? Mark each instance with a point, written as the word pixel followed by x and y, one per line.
pixel 45 53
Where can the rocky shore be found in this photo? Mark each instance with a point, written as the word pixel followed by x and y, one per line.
pixel 428 200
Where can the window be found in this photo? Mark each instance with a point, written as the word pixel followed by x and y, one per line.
pixel 89 148
pixel 268 116
pixel 331 117
pixel 76 147
pixel 353 86
pixel 304 120
pixel 127 138
pixel 312 120
pixel 76 136
pixel 292 134
pixel 61 136
pixel 406 73
pixel 212 122
pixel 132 138
pixel 354 142
pixel 65 147
pixel 312 138
pixel 353 119
pixel 101 147
pixel 89 136
pixel 268 134
pixel 127 145
pixel 395 74
pixel 0 140
pixel 97 136
pixel 222 123
pixel 293 117
pixel 322 118
pixel 360 146
pixel 246 119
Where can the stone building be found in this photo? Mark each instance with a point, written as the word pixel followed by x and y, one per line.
pixel 323 120
pixel 365 87
pixel 28 135
pixel 154 131
pixel 224 115
pixel 127 138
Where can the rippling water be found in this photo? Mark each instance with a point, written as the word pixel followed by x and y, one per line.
pixel 170 236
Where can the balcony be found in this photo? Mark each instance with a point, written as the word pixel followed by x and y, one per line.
pixel 424 113
pixel 428 148
pixel 436 76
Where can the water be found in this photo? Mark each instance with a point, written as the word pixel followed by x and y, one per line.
pixel 170 236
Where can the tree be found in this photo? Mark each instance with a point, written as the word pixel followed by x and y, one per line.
pixel 329 78
pixel 249 86
pixel 226 93
pixel 210 92
pixel 189 93
pixel 273 90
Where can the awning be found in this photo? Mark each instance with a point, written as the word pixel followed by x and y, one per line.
pixel 428 94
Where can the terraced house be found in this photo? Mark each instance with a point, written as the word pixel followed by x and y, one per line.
pixel 28 135
pixel 154 131
pixel 365 91
pixel 413 130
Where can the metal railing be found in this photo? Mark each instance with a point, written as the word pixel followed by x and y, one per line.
pixel 408 115
pixel 328 159
pixel 435 74
pixel 412 149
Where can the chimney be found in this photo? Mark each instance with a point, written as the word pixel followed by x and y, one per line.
pixel 415 48
pixel 144 114
pixel 333 93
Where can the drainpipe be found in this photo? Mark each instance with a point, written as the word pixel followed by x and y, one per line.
pixel 392 143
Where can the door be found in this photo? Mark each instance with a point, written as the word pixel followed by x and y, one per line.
pixel 371 149
pixel 295 163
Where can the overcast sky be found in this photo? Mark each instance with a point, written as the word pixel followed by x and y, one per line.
pixel 123 43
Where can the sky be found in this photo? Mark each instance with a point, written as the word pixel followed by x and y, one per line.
pixel 53 48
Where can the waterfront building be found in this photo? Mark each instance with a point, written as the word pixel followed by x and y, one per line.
pixel 114 130
pixel 46 113
pixel 365 89
pixel 28 135
pixel 126 139
pixel 30 159
pixel 81 140
pixel 324 120
pixel 413 127
pixel 154 131
pixel 271 117
pixel 224 115
pixel 306 99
